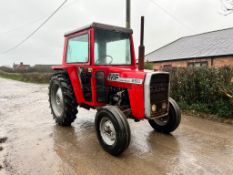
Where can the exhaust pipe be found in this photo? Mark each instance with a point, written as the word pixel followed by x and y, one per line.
pixel 141 48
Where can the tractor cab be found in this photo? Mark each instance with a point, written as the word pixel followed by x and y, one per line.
pixel 95 56
pixel 100 45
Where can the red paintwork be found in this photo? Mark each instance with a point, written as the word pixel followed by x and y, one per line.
pixel 135 91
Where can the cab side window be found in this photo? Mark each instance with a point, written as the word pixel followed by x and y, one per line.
pixel 77 49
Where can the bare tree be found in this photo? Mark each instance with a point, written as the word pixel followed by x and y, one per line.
pixel 227 7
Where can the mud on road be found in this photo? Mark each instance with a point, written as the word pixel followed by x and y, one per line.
pixel 35 145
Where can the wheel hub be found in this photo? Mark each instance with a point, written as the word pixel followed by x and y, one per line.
pixel 57 101
pixel 58 96
pixel 107 131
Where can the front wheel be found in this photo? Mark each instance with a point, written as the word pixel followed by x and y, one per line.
pixel 112 129
pixel 170 122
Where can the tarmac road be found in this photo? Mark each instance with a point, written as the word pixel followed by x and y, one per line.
pixel 35 145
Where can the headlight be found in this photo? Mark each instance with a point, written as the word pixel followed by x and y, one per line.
pixel 153 108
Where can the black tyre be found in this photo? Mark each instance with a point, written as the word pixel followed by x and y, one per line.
pixel 61 98
pixel 170 122
pixel 112 130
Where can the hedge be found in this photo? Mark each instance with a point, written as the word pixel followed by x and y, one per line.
pixel 208 90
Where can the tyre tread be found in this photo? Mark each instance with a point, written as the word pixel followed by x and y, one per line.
pixel 70 105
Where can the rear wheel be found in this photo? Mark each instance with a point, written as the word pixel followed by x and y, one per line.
pixel 61 98
pixel 112 129
pixel 170 122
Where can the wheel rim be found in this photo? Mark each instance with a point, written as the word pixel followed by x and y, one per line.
pixel 57 101
pixel 107 131
pixel 162 121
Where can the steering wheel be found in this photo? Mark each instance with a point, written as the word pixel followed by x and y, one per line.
pixel 106 56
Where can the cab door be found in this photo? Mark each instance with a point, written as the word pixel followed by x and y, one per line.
pixel 78 55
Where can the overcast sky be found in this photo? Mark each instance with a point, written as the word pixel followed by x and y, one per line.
pixel 20 17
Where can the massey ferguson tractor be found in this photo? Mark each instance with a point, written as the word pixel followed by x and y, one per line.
pixel 99 71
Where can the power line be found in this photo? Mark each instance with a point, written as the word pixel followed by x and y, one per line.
pixel 33 21
pixel 22 26
pixel 38 28
pixel 172 16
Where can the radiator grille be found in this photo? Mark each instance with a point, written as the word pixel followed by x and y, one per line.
pixel 159 87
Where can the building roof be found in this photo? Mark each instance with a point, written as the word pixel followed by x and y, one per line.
pixel 101 26
pixel 210 44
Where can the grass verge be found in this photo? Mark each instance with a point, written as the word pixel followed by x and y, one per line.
pixel 34 77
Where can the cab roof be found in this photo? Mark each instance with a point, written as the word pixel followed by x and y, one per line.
pixel 101 26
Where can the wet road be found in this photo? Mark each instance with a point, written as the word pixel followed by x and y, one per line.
pixel 35 145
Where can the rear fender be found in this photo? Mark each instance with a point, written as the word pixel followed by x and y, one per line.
pixel 73 76
pixel 72 72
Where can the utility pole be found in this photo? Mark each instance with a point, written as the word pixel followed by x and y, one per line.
pixel 128 9
pixel 127 22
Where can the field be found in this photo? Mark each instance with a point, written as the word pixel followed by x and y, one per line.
pixel 35 74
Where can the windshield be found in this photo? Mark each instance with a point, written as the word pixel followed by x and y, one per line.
pixel 112 48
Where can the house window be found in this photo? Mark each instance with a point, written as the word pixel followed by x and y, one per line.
pixel 167 67
pixel 198 64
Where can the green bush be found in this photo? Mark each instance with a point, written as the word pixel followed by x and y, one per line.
pixel 207 90
pixel 148 65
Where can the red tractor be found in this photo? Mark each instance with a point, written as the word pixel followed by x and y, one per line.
pixel 99 71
